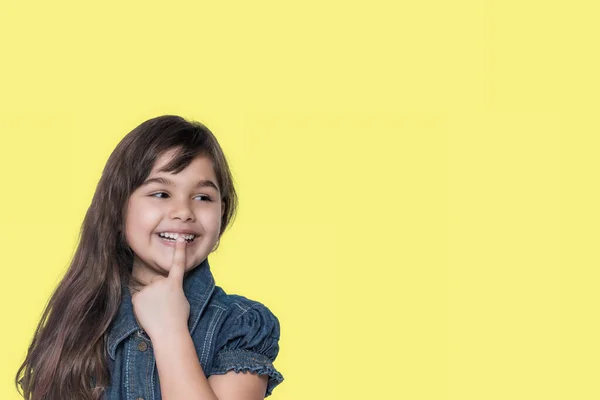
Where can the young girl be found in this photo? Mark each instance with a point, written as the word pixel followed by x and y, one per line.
pixel 138 315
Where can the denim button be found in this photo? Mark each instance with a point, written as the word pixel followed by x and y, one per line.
pixel 142 346
pixel 140 398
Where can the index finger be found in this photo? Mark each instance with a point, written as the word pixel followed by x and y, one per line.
pixel 178 265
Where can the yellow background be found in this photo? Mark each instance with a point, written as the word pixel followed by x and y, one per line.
pixel 418 180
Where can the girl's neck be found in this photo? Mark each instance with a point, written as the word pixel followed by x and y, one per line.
pixel 134 287
pixel 133 290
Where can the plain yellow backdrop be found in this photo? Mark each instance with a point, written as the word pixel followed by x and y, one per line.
pixel 418 180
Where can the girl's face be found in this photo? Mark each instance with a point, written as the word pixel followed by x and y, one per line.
pixel 189 202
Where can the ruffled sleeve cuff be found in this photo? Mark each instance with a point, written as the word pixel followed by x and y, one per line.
pixel 249 342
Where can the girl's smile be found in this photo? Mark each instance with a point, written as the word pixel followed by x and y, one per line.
pixel 169 239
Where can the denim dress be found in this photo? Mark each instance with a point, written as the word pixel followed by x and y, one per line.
pixel 230 332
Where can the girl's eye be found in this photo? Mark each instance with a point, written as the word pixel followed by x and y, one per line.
pixel 206 198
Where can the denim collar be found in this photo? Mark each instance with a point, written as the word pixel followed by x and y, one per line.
pixel 198 286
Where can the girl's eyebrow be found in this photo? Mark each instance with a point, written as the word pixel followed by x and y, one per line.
pixel 201 183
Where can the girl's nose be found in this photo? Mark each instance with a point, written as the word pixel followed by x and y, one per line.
pixel 182 211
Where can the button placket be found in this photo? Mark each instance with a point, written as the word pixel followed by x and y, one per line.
pixel 139 379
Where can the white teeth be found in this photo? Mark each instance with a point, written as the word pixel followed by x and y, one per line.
pixel 176 235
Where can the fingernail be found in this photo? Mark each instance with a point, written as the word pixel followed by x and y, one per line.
pixel 180 239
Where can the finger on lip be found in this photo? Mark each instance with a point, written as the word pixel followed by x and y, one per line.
pixel 179 256
pixel 182 244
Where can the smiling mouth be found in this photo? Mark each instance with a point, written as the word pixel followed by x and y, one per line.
pixel 188 238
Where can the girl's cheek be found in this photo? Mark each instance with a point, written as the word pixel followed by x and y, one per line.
pixel 213 222
pixel 150 213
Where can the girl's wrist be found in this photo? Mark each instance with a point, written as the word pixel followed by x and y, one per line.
pixel 168 333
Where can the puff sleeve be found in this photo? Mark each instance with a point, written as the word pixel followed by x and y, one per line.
pixel 249 341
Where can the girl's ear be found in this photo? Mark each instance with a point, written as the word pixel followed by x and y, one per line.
pixel 222 208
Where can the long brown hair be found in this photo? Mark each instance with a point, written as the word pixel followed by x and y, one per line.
pixel 67 352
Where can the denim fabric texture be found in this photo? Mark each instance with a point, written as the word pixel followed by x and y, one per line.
pixel 230 332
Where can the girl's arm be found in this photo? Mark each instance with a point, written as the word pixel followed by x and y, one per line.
pixel 181 375
pixel 163 310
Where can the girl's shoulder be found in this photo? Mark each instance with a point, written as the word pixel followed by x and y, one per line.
pixel 235 307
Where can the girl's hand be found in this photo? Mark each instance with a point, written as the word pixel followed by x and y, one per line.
pixel 161 306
